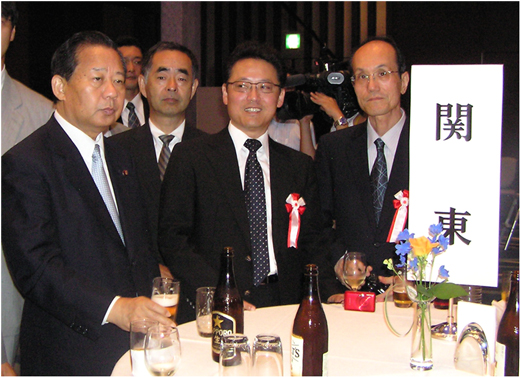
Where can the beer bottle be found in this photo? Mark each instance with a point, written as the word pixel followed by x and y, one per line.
pixel 228 308
pixel 310 334
pixel 506 350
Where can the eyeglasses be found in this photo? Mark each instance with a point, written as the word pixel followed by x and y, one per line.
pixel 363 78
pixel 246 86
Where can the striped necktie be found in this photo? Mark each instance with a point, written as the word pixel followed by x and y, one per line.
pixel 133 121
pixel 164 157
pixel 379 178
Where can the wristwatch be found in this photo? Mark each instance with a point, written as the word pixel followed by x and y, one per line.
pixel 340 122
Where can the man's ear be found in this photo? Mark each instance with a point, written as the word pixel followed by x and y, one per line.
pixel 59 86
pixel 194 87
pixel 13 33
pixel 142 85
pixel 224 94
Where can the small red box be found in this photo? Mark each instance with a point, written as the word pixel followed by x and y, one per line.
pixel 360 301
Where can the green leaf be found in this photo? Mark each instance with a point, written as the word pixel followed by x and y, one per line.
pixel 425 293
pixel 445 291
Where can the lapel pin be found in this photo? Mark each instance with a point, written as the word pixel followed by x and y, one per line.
pixel 125 172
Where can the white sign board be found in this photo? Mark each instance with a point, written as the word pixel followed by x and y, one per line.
pixel 455 150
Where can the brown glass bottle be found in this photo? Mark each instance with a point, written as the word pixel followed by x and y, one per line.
pixel 506 352
pixel 310 334
pixel 228 308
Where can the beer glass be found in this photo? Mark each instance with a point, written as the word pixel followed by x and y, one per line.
pixel 401 299
pixel 166 293
pixel 235 356
pixel 162 350
pixel 267 356
pixel 204 306
pixel 138 330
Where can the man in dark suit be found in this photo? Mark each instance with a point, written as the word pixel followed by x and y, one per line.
pixel 169 82
pixel 136 110
pixel 74 230
pixel 207 189
pixel 347 160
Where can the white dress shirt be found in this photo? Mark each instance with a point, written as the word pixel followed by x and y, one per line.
pixel 390 138
pixel 139 110
pixel 157 142
pixel 239 138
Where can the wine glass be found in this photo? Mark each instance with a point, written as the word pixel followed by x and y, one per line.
pixel 354 269
pixel 162 350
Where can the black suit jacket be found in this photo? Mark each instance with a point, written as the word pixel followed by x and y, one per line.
pixel 346 194
pixel 139 144
pixel 203 210
pixel 66 256
pixel 146 108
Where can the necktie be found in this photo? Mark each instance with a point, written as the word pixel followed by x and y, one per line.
pixel 100 178
pixel 164 157
pixel 256 212
pixel 133 121
pixel 379 178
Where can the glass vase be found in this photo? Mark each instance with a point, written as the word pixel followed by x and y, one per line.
pixel 421 356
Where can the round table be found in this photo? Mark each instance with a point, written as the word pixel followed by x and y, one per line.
pixel 360 343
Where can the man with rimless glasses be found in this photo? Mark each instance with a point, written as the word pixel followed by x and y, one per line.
pixel 361 168
pixel 232 189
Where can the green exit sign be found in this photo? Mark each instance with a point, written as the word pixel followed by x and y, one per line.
pixel 292 41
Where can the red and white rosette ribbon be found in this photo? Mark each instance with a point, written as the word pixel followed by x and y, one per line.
pixel 295 206
pixel 401 202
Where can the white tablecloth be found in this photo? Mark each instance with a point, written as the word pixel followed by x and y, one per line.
pixel 360 343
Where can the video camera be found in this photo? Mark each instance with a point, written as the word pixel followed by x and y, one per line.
pixel 336 84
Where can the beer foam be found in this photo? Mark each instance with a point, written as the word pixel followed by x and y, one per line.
pixel 166 300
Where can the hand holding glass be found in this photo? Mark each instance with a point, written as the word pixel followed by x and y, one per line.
pixel 354 270
pixel 162 350
pixel 166 293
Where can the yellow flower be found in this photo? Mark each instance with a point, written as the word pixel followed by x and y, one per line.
pixel 422 246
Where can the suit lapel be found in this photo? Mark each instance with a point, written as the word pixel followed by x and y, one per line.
pixel 145 150
pixel 222 156
pixel 358 163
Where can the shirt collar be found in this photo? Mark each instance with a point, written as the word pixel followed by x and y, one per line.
pixel 391 137
pixel 239 138
pixel 156 132
pixel 4 73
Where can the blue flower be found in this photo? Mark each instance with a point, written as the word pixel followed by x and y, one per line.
pixel 444 242
pixel 443 272
pixel 402 259
pixel 436 251
pixel 403 248
pixel 435 229
pixel 413 265
pixel 404 235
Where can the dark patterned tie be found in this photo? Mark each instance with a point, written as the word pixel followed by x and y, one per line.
pixel 101 180
pixel 133 121
pixel 164 157
pixel 379 178
pixel 256 211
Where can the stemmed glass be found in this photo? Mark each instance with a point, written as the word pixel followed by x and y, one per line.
pixel 354 270
pixel 162 350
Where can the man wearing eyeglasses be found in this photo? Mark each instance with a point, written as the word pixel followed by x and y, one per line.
pixel 361 168
pixel 231 189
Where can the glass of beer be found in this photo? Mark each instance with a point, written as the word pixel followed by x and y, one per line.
pixel 166 293
pixel 354 270
pixel 401 298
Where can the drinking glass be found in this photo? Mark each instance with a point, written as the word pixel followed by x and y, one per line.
pixel 354 269
pixel 204 306
pixel 401 298
pixel 166 293
pixel 162 350
pixel 267 356
pixel 235 356
pixel 138 330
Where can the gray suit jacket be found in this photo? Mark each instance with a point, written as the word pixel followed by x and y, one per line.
pixel 23 111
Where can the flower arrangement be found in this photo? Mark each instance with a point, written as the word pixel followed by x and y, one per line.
pixel 417 254
pixel 414 253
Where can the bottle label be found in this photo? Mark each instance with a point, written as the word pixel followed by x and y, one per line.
pixel 325 366
pixel 500 359
pixel 223 324
pixel 296 355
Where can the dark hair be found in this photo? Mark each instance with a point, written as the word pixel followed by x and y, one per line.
pixel 126 40
pixel 9 12
pixel 168 46
pixel 256 50
pixel 401 65
pixel 65 58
